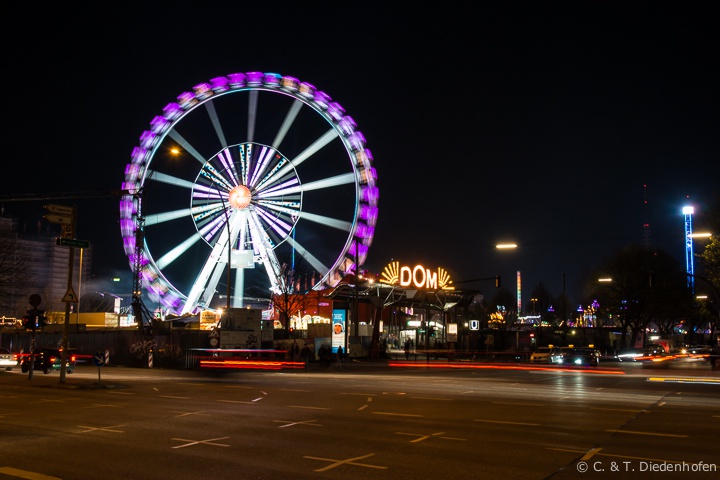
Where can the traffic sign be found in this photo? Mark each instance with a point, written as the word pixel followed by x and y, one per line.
pixel 72 242
pixel 61 209
pixel 70 296
pixel 98 359
pixel 59 218
pixel 35 300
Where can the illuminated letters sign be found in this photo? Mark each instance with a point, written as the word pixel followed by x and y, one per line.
pixel 417 276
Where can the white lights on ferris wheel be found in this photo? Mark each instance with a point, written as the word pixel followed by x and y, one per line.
pixel 273 158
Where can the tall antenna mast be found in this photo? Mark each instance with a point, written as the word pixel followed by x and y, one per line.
pixel 688 212
pixel 646 222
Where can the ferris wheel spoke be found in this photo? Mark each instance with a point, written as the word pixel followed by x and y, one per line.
pixel 286 210
pixel 278 189
pixel 287 123
pixel 210 107
pixel 209 227
pixel 176 252
pixel 229 167
pixel 292 187
pixel 157 218
pixel 263 245
pixel 290 210
pixel 216 179
pixel 313 261
pixel 169 179
pixel 252 115
pixel 175 135
pixel 276 224
pixel 314 148
pixel 265 156
pixel 209 275
pixel 328 221
pixel 207 280
pixel 330 182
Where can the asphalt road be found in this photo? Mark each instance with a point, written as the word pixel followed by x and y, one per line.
pixel 364 422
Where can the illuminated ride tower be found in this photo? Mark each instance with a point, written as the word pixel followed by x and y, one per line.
pixel 689 263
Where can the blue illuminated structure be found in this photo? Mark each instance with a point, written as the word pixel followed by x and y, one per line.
pixel 688 212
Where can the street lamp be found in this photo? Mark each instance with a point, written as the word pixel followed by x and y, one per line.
pixel 715 292
pixel 229 259
pixel 239 197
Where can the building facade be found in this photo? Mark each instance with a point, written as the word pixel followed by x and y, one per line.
pixel 35 264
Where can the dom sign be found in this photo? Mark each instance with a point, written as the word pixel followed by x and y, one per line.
pixel 417 276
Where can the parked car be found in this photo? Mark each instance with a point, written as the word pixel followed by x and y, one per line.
pixel 48 360
pixel 557 355
pixel 545 355
pixel 8 360
pixel 585 357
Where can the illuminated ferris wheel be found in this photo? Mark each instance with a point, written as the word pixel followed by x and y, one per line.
pixel 272 176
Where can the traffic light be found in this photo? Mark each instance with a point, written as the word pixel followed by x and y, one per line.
pixel 497 281
pixel 34 319
pixel 432 331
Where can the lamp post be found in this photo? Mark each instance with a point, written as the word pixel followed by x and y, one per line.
pixel 693 276
pixel 715 292
pixel 229 259
pixel 355 308
pixel 244 192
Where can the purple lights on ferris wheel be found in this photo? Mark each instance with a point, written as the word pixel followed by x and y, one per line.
pixel 274 191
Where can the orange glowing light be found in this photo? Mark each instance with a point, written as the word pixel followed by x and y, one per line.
pixel 240 197
pixel 484 366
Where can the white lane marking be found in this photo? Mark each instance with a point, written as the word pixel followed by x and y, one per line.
pixel 350 461
pixel 210 441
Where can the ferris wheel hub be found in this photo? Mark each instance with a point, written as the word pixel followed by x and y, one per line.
pixel 239 197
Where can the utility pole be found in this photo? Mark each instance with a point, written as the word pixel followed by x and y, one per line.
pixel 67 218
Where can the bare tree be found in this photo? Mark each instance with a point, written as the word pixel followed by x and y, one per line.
pixel 648 286
pixel 291 299
pixel 13 273
pixel 710 310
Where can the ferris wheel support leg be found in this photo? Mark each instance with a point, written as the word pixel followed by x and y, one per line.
pixel 142 314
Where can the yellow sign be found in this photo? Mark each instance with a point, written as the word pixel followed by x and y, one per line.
pixel 417 276
pixel 208 317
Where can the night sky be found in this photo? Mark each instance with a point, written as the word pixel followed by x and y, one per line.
pixel 548 124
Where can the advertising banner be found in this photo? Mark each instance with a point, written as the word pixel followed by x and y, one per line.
pixel 338 329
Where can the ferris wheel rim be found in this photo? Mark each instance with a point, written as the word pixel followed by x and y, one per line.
pixel 138 172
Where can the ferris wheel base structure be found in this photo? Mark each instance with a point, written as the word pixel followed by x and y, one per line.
pixel 268 169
